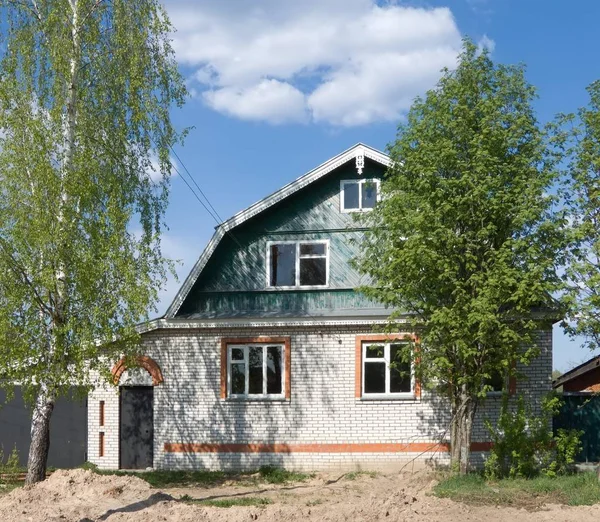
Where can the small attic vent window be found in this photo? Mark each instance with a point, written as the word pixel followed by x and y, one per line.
pixel 358 195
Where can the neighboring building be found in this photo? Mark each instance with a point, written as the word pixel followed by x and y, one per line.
pixel 582 378
pixel 268 355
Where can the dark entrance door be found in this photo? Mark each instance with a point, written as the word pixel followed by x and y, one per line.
pixel 137 427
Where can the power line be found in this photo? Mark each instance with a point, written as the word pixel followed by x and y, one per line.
pixel 215 217
pixel 194 181
pixel 214 214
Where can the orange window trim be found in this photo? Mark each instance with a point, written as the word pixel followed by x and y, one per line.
pixel 512 381
pixel 360 339
pixel 287 358
pixel 101 413
pixel 101 444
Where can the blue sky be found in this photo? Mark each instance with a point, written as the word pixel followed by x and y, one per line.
pixel 279 86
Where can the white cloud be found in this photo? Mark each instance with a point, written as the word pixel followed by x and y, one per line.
pixel 486 42
pixel 153 169
pixel 344 62
pixel 271 100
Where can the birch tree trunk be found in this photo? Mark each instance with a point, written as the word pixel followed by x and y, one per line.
pixel 44 405
pixel 40 437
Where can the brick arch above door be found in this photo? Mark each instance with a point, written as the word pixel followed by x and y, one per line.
pixel 141 361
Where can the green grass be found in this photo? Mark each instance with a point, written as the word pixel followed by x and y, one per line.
pixel 273 475
pixel 7 487
pixel 353 475
pixel 582 489
pixel 163 479
pixel 228 502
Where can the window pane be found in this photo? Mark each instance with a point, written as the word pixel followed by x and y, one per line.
pixel 351 196
pixel 374 377
pixel 274 369
pixel 369 194
pixel 283 265
pixel 496 381
pixel 238 379
pixel 375 350
pixel 312 249
pixel 237 354
pixel 255 362
pixel 313 271
pixel 399 370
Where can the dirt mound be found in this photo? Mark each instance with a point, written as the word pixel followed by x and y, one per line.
pixel 82 496
pixel 74 495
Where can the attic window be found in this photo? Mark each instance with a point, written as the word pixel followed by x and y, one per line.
pixel 358 195
pixel 298 264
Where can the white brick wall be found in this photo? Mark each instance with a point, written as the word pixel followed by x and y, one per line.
pixel 322 409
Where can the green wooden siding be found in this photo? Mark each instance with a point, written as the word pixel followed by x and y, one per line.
pixel 303 303
pixel 582 412
pixel 239 262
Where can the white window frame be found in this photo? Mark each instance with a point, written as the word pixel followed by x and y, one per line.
pixel 298 243
pixel 245 348
pixel 360 182
pixel 386 358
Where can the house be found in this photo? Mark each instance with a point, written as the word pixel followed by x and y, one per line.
pixel 582 378
pixel 268 356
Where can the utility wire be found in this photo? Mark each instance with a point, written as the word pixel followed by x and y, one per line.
pixel 195 194
pixel 196 184
pixel 214 214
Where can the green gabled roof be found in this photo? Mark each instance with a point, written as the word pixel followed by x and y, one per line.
pixel 358 153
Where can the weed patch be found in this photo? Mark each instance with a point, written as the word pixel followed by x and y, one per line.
pixel 273 475
pixel 229 502
pixel 353 475
pixel 574 490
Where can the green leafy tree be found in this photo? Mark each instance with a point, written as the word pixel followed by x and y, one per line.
pixel 85 92
pixel 579 136
pixel 464 243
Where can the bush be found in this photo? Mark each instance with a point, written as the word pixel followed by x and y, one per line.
pixel 567 446
pixel 9 470
pixel 523 444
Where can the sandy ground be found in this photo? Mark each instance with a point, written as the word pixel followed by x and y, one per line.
pixel 81 496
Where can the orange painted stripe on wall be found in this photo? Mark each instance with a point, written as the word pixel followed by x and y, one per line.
pixel 385 447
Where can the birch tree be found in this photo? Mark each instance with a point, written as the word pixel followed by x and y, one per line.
pixel 86 87
pixel 466 241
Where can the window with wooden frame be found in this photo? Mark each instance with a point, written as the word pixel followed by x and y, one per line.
pixel 500 382
pixel 298 264
pixel 358 195
pixel 382 369
pixel 255 368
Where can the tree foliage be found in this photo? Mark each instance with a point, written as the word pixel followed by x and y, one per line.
pixel 86 87
pixel 579 136
pixel 465 242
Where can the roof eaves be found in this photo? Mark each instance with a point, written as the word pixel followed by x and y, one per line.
pixel 583 368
